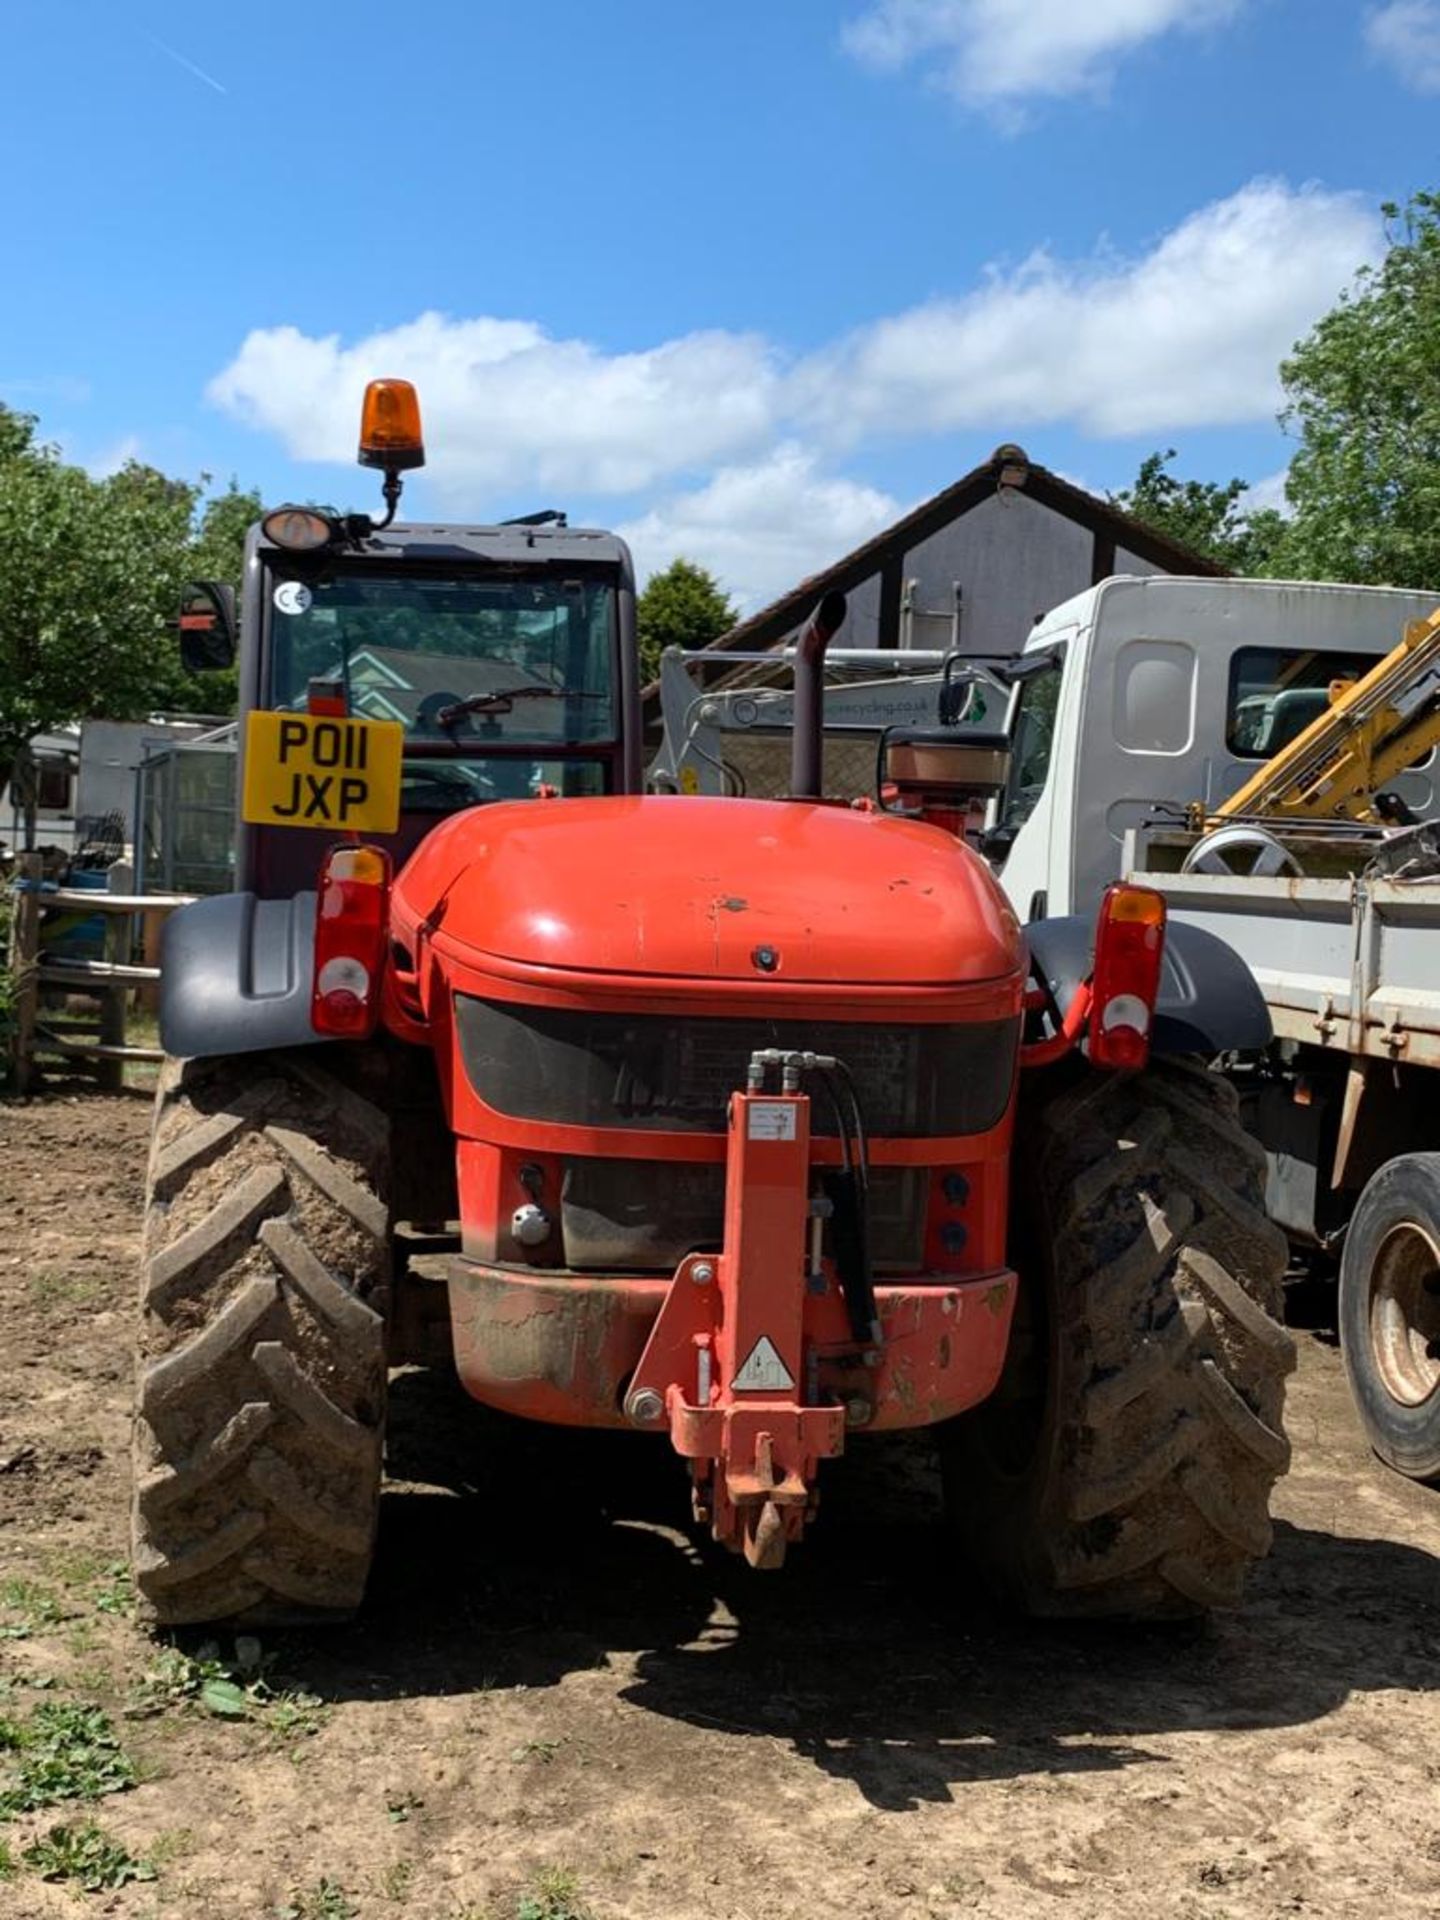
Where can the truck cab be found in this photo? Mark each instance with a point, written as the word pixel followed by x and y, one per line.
pixel 1157 693
pixel 505 652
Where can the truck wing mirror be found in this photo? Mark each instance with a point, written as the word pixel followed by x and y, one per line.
pixel 207 626
pixel 1026 665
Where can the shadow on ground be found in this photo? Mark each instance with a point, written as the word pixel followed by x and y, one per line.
pixel 511 1555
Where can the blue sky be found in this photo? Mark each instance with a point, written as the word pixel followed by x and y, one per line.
pixel 743 280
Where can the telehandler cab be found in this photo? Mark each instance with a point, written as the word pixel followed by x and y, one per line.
pixel 755 1125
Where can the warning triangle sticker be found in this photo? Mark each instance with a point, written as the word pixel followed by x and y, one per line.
pixel 764 1371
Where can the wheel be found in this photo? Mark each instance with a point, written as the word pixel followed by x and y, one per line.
pixel 1249 852
pixel 261 1379
pixel 1390 1313
pixel 1124 1465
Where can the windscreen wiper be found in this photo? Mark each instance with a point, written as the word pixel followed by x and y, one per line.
pixel 499 700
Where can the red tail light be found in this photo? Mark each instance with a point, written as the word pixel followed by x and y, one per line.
pixel 351 919
pixel 1129 951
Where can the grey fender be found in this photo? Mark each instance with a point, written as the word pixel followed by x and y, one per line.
pixel 235 975
pixel 1208 1000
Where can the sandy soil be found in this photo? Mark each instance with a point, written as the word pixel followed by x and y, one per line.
pixel 556 1704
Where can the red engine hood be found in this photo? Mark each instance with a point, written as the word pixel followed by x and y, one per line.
pixel 672 886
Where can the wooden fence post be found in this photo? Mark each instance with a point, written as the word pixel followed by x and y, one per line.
pixel 110 1068
pixel 25 968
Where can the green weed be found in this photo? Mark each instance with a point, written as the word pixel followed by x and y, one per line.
pixel 61 1752
pixel 326 1900
pixel 229 1690
pixel 554 1896
pixel 395 1881
pixel 33 1605
pixel 87 1856
pixel 542 1750
pixel 113 1590
pixel 400 1804
pixel 293 1715
pixel 81 1639
pixel 9 1866
pixel 93 1680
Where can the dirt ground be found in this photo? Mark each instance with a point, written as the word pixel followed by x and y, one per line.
pixel 557 1704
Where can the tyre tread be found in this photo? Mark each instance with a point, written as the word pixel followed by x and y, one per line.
pixel 262 1373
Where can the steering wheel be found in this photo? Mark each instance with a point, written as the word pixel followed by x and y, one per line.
pixel 427 714
pixel 1243 853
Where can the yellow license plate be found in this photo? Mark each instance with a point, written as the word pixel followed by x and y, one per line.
pixel 308 770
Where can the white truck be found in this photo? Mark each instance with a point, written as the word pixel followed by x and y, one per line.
pixel 1156 695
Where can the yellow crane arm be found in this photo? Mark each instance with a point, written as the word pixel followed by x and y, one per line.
pixel 1372 731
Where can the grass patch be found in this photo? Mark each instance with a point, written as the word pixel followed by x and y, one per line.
pixel 173 1844
pixel 395 1881
pixel 326 1900
pixel 103 1582
pixel 60 1752
pixel 31 1609
pixel 55 1287
pixel 555 1895
pixel 87 1857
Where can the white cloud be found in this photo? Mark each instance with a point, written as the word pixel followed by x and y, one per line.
pixel 1406 35
pixel 720 450
pixel 763 527
pixel 109 460
pixel 508 406
pixel 996 53
pixel 1188 335
pixel 1266 493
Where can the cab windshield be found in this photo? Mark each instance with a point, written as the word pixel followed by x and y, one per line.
pixel 466 664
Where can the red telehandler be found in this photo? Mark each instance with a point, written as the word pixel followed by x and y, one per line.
pixel 754 1125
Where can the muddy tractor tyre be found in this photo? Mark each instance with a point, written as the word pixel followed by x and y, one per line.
pixel 1124 1466
pixel 261 1378
pixel 1390 1313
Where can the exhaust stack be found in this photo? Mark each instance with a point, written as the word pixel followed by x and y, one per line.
pixel 807 742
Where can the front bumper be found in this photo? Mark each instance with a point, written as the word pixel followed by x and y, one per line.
pixel 563 1347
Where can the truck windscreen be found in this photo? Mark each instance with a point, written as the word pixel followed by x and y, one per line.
pixel 460 661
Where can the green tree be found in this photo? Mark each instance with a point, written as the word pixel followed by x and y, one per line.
pixel 683 606
pixel 91 573
pixel 216 552
pixel 1202 514
pixel 1363 399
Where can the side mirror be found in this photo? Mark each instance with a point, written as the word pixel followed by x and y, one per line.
pixel 207 626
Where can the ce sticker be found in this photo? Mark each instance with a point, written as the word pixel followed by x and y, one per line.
pixel 293 596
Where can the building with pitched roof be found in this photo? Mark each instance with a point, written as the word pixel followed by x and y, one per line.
pixel 976 566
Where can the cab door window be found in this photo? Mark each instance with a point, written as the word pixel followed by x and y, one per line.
pixel 1032 744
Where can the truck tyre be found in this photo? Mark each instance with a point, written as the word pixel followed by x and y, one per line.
pixel 1390 1313
pixel 261 1380
pixel 1124 1465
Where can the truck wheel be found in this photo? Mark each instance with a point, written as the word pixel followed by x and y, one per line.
pixel 261 1384
pixel 1124 1465
pixel 1390 1313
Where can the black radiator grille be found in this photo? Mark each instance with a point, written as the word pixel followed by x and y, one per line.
pixel 676 1075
